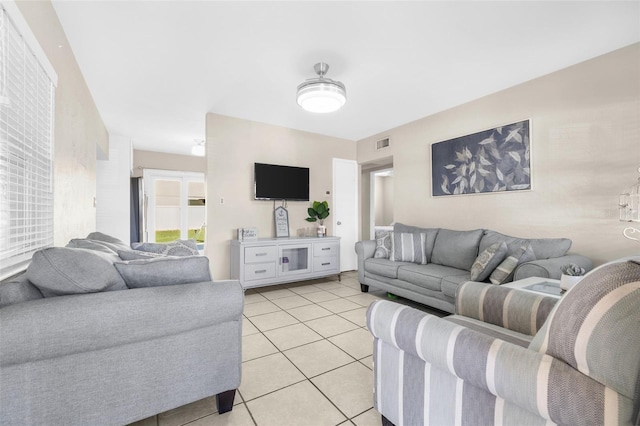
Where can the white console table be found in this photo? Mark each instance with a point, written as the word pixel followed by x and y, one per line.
pixel 268 261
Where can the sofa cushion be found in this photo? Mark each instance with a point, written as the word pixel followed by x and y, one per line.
pixel 174 248
pixel 451 283
pixel 111 242
pixel 457 249
pixel 408 247
pixel 58 271
pixel 487 261
pixel 384 267
pixel 162 271
pixel 492 330
pixel 431 234
pixel 99 236
pixel 137 254
pixel 543 248
pixel 505 270
pixel 91 245
pixel 594 327
pixel 428 276
pixel 383 244
pixel 18 290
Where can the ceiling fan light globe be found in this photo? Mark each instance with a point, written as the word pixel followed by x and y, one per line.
pixel 321 97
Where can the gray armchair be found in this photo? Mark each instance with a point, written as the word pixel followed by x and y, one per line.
pixel 115 357
pixel 484 366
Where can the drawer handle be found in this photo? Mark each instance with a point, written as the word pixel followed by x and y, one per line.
pixel 325 264
pixel 261 254
pixel 261 271
pixel 326 248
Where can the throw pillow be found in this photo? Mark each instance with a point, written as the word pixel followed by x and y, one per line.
pixel 111 242
pixel 504 272
pixel 383 244
pixel 431 236
pixel 91 245
pixel 487 261
pixel 137 254
pixel 58 271
pixel 174 248
pixel 594 327
pixel 407 247
pixel 164 271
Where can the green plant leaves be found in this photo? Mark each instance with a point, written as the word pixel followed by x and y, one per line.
pixel 319 211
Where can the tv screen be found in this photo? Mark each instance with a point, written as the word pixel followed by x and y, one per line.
pixel 273 182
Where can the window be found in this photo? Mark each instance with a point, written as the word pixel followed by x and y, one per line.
pixel 26 143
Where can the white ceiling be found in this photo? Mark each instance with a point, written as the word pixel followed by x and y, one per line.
pixel 155 68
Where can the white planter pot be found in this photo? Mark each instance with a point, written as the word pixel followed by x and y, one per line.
pixel 568 281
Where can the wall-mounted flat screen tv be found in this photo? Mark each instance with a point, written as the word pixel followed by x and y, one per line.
pixel 274 182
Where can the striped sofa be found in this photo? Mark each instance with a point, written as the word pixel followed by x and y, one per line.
pixel 510 357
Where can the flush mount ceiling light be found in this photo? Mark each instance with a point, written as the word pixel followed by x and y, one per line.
pixel 198 149
pixel 321 94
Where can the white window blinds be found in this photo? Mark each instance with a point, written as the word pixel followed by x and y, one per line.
pixel 26 147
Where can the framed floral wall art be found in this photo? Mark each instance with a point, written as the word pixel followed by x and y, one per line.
pixel 493 160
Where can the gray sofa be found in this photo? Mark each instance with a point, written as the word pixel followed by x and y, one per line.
pixel 449 257
pixel 115 355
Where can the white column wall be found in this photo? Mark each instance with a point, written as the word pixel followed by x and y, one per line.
pixel 113 186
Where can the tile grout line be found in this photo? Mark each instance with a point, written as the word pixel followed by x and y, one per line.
pixel 355 360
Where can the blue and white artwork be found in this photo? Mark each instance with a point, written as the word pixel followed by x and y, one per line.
pixel 493 160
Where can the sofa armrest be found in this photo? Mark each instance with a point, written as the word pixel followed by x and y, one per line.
pixel 64 325
pixel 510 308
pixel 365 250
pixel 531 380
pixel 550 268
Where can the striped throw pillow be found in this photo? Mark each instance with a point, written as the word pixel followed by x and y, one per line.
pixel 504 272
pixel 409 247
pixel 594 328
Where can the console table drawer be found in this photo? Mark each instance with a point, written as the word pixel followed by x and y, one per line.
pixel 325 264
pixel 325 249
pixel 258 271
pixel 260 254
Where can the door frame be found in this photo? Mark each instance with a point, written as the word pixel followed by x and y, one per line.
pixel 149 178
pixel 372 200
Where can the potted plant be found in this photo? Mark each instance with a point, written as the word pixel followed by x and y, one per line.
pixel 318 213
pixel 571 274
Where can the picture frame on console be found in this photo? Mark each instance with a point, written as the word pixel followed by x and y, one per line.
pixel 493 160
pixel 281 217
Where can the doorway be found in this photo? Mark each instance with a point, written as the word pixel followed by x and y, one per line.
pixel 175 206
pixel 381 200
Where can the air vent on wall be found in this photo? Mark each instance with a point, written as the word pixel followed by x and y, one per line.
pixel 382 143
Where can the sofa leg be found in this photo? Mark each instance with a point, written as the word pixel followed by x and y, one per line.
pixel 225 401
pixel 364 288
pixel 386 421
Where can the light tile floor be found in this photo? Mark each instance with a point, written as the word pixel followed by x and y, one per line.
pixel 307 359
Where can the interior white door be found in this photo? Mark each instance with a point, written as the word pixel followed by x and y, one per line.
pixel 345 210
